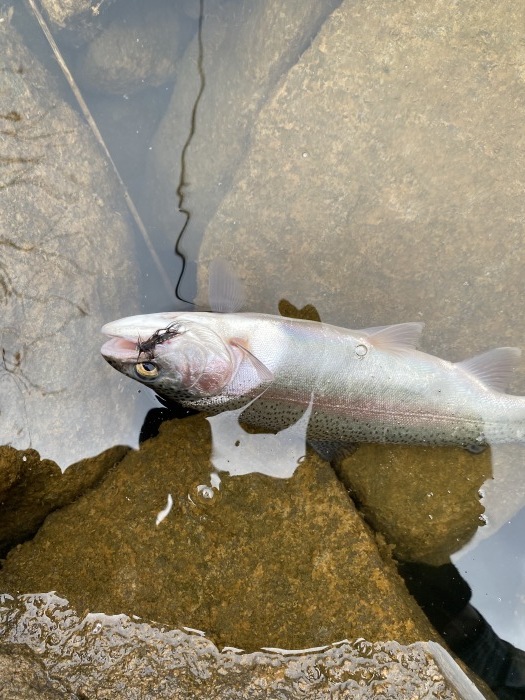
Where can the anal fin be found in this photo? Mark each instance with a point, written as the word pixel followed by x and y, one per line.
pixel 331 450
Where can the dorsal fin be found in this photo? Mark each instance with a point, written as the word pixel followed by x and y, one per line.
pixel 225 289
pixel 493 368
pixel 402 336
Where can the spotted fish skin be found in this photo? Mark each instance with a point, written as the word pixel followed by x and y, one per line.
pixel 367 385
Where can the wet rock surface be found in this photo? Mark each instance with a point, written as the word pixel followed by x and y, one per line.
pixel 266 562
pixel 23 677
pixel 114 657
pixel 31 488
pixel 425 501
pixel 66 266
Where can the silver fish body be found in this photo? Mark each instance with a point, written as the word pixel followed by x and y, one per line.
pixel 368 385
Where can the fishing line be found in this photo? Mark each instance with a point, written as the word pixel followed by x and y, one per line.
pixel 193 128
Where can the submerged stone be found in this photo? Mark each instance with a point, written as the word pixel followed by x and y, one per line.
pixel 382 179
pixel 31 488
pixel 139 48
pixel 425 500
pixel 72 13
pixel 246 47
pixel 266 562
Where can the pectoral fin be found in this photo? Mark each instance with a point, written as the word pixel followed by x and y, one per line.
pixel 264 374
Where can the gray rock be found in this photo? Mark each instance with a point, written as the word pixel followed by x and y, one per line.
pixel 246 48
pixel 139 661
pixel 66 266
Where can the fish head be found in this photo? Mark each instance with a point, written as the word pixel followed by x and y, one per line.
pixel 175 355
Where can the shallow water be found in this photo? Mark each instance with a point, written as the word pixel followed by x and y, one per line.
pixel 389 193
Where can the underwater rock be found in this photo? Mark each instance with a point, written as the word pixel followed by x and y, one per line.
pixel 31 488
pixel 127 125
pixel 139 661
pixel 72 13
pixel 66 266
pixel 285 563
pixel 139 48
pixel 246 47
pixel 424 500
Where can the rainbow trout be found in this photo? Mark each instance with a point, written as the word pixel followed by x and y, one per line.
pixel 367 385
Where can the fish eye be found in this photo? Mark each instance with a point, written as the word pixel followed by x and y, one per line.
pixel 147 370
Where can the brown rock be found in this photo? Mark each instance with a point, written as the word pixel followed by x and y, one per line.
pixel 425 501
pixel 266 562
pixel 23 677
pixel 31 488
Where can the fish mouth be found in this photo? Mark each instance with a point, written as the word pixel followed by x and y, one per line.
pixel 126 333
pixel 119 349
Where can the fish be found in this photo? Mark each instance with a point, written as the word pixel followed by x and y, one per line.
pixel 369 385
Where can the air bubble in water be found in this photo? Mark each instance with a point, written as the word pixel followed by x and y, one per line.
pixel 206 492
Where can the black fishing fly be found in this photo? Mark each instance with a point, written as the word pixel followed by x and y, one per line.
pixel 147 347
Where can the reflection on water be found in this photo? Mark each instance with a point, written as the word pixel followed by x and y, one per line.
pixel 237 452
pixel 365 163
pixel 498 588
